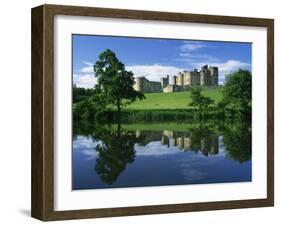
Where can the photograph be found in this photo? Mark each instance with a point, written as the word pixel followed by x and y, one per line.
pixel 160 112
pixel 137 112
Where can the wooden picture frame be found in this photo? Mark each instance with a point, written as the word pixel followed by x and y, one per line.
pixel 42 205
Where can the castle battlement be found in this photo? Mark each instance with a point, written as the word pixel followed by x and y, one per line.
pixel 207 76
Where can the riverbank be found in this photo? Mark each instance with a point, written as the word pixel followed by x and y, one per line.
pixel 166 115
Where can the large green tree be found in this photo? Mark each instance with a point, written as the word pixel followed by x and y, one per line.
pixel 237 93
pixel 114 81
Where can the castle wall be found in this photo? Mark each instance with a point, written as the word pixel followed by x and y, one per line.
pixel 168 89
pixel 187 78
pixel 137 84
pixel 195 79
pixel 179 79
pixel 173 88
pixel 174 82
pixel 146 86
pixel 214 76
pixel 164 81
pixel 153 87
pixel 205 77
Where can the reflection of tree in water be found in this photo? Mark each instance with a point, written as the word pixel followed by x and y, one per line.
pixel 117 146
pixel 204 139
pixel 198 139
pixel 115 152
pixel 237 140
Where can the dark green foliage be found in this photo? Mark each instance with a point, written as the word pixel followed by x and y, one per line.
pixel 83 110
pixel 204 138
pixel 114 82
pixel 237 140
pixel 90 108
pixel 203 103
pixel 237 95
pixel 179 115
pixel 115 152
pixel 198 100
pixel 114 88
pixel 238 87
pixel 79 94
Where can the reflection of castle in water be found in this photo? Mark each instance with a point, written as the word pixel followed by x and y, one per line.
pixel 186 141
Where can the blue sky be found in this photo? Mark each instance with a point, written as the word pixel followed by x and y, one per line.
pixel 155 58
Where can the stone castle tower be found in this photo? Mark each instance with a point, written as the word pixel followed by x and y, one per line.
pixel 207 76
pixel 164 81
pixel 144 85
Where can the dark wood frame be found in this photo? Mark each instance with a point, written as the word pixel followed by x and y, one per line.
pixel 42 203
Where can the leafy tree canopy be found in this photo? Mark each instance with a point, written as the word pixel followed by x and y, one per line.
pixel 114 81
pixel 238 87
pixel 237 95
pixel 198 100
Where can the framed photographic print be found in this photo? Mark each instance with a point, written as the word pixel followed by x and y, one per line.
pixel 141 112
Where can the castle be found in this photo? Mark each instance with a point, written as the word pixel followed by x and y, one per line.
pixel 208 76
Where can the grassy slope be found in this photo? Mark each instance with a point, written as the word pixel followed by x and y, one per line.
pixel 177 100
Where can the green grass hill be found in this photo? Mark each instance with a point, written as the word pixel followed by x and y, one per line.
pixel 176 100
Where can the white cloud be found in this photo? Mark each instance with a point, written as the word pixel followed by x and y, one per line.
pixel 188 57
pixel 226 67
pixel 82 142
pixel 84 80
pixel 85 77
pixel 232 65
pixel 189 53
pixel 153 72
pixel 189 46
pixel 87 146
pixel 88 68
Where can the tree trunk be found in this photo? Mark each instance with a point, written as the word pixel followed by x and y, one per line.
pixel 118 110
pixel 118 128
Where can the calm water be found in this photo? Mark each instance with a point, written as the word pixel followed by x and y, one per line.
pixel 130 157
